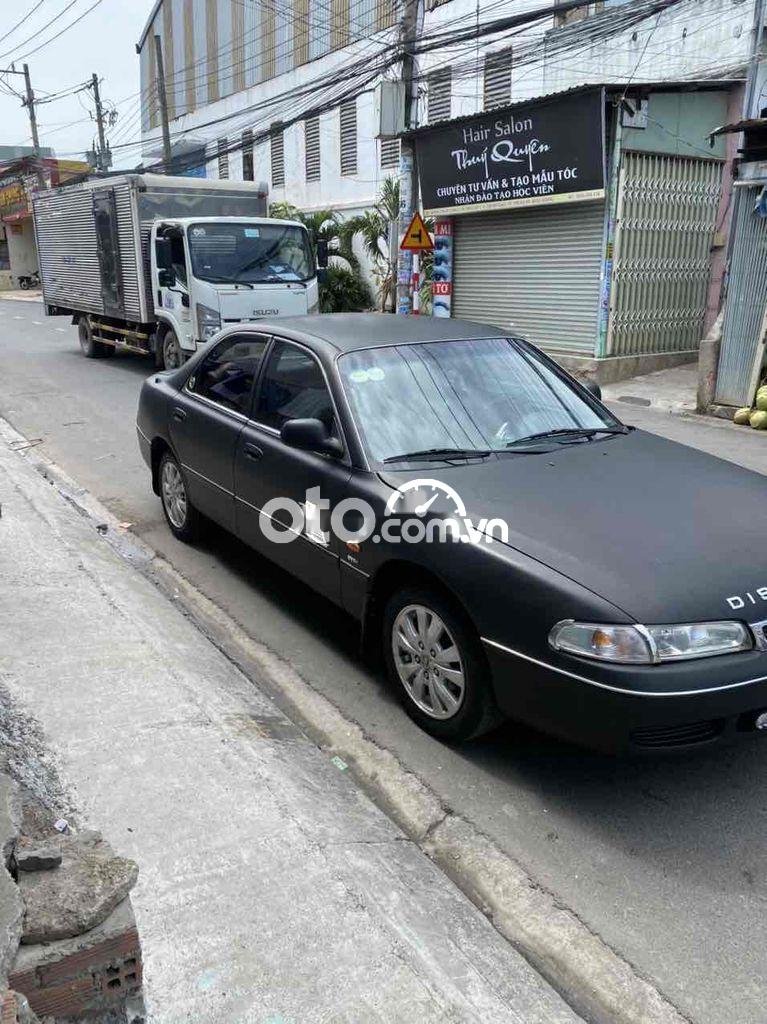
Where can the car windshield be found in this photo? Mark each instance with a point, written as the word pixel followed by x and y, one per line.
pixel 250 253
pixel 480 395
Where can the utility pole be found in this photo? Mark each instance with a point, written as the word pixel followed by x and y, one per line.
pixel 102 154
pixel 410 28
pixel 29 103
pixel 163 101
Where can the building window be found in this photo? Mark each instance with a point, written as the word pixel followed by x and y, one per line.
pixel 223 158
pixel 247 155
pixel 389 153
pixel 277 143
pixel 385 14
pixel 349 137
pixel 312 147
pixel 438 97
pixel 497 79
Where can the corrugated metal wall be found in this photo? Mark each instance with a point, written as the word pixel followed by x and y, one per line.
pixel 66 239
pixel 534 271
pixel 666 218
pixel 744 315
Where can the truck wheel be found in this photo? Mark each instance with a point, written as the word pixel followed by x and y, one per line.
pixel 434 659
pixel 92 349
pixel 171 351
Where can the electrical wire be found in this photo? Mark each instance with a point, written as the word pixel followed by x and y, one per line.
pixel 66 28
pixel 26 17
pixel 36 35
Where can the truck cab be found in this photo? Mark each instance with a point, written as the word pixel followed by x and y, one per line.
pixel 207 272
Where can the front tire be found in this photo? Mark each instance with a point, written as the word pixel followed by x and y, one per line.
pixel 181 515
pixel 172 356
pixel 435 661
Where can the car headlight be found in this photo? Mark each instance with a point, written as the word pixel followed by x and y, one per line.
pixel 649 645
pixel 208 321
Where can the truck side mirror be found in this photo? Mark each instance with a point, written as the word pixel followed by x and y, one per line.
pixel 163 255
pixel 322 253
pixel 166 278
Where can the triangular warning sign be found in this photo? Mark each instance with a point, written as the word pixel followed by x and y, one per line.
pixel 416 237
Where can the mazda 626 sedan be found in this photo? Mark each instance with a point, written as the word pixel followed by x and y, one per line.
pixel 506 544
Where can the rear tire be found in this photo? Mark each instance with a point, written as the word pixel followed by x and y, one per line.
pixel 172 356
pixel 181 515
pixel 91 348
pixel 434 659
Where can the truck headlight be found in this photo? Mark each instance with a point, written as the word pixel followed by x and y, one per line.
pixel 649 645
pixel 208 321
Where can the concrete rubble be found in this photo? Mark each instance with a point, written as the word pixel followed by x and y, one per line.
pixel 69 948
pixel 79 894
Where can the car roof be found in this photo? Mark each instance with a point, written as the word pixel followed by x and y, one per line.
pixel 347 332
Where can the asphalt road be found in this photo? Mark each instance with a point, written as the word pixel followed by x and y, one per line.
pixel 665 860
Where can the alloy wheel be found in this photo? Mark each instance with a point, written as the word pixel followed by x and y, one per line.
pixel 428 661
pixel 174 494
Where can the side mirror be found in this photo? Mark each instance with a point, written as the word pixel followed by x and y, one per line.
pixel 593 388
pixel 322 252
pixel 162 253
pixel 166 278
pixel 322 275
pixel 310 435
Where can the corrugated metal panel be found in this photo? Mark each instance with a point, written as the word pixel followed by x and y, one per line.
pixel 533 271
pixel 312 148
pixel 277 153
pixel 389 153
pixel 667 208
pixel 66 240
pixel 348 136
pixel 497 79
pixel 438 95
pixel 744 315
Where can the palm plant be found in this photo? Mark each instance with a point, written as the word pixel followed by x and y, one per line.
pixel 374 228
pixel 322 225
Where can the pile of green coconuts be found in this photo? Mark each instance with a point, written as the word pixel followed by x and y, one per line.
pixel 756 417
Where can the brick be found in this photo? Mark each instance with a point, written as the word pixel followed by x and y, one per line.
pixel 84 975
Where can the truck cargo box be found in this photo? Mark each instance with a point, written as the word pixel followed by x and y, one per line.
pixel 93 237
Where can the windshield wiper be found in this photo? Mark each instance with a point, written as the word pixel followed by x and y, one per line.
pixel 565 432
pixel 440 453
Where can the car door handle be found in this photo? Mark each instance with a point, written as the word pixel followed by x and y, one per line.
pixel 179 414
pixel 252 451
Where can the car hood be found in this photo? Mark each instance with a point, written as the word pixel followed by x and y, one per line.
pixel 665 532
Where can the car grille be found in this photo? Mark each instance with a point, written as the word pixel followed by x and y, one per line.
pixel 678 735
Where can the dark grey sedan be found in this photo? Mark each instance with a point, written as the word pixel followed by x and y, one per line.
pixel 506 544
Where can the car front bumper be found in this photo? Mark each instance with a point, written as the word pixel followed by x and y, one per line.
pixel 625 709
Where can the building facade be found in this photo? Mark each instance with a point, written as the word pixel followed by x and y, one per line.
pixel 285 94
pixel 18 180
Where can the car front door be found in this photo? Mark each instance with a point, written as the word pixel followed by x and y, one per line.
pixel 267 471
pixel 207 417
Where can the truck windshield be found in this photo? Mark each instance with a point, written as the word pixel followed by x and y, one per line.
pixel 250 253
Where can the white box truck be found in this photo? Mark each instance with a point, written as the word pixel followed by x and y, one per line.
pixel 158 264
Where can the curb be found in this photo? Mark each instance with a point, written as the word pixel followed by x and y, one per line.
pixel 597 982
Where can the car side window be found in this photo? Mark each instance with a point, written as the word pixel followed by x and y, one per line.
pixel 293 387
pixel 226 374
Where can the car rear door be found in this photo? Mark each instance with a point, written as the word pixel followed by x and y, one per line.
pixel 207 417
pixel 269 473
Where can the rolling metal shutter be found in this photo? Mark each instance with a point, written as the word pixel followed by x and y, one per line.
pixel 533 271
pixel 745 315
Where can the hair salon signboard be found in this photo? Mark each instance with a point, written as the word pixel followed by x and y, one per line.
pixel 548 151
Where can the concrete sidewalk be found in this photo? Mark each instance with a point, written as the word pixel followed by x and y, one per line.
pixel 271 889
